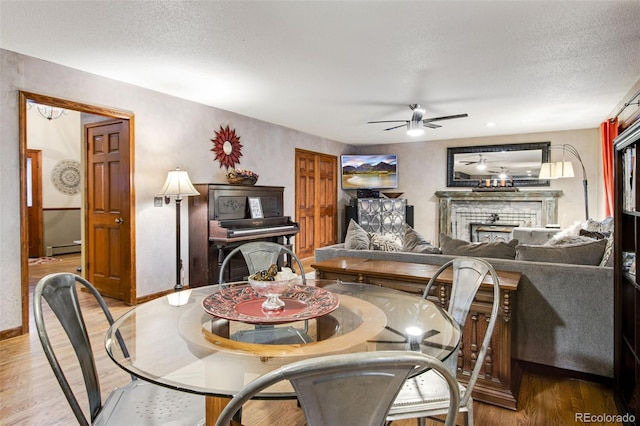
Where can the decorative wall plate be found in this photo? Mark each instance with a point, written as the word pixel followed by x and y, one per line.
pixel 227 147
pixel 66 177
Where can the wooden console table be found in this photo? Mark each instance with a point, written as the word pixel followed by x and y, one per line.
pixel 499 382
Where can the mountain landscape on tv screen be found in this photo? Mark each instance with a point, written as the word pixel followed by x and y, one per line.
pixel 368 168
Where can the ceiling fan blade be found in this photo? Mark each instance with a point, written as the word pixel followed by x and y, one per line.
pixel 388 121
pixel 446 117
pixel 431 125
pixel 395 127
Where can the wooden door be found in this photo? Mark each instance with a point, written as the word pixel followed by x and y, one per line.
pixel 34 203
pixel 316 201
pixel 108 221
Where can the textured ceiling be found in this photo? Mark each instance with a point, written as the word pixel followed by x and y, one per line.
pixel 326 68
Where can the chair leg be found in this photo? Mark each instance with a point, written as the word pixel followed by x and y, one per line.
pixel 468 415
pixel 421 421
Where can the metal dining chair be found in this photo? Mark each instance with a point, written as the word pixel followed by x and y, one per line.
pixel 348 389
pixel 137 403
pixel 426 394
pixel 259 255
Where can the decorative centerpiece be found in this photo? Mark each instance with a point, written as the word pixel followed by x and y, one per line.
pixel 242 177
pixel 273 284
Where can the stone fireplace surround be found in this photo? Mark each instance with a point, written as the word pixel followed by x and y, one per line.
pixel 462 211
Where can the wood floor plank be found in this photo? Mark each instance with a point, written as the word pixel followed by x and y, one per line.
pixel 30 394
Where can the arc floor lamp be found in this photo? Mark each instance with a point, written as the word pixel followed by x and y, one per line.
pixel 178 185
pixel 564 169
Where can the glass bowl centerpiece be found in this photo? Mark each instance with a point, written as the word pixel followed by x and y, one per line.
pixel 272 284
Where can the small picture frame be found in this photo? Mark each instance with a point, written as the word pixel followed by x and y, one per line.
pixel 255 208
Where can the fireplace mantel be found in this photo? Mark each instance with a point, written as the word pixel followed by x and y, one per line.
pixel 540 208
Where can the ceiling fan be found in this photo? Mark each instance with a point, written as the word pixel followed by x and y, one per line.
pixel 415 126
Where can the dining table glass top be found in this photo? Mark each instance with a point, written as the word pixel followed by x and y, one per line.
pixel 185 347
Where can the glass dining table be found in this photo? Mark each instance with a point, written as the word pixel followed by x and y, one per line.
pixel 184 347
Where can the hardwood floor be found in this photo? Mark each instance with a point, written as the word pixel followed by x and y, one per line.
pixel 30 394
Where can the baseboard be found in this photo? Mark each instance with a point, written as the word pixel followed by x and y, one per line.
pixel 10 333
pixel 546 370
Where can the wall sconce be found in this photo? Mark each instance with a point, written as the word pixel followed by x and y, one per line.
pixel 564 169
pixel 178 185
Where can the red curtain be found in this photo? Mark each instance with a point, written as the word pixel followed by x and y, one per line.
pixel 608 132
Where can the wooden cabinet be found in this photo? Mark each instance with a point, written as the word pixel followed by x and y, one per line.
pixel 499 380
pixel 627 284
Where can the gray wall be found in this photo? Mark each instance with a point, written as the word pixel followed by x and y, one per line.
pixel 169 133
pixel 172 132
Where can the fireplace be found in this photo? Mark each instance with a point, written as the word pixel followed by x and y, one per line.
pixel 491 216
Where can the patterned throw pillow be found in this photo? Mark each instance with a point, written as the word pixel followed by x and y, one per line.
pixel 356 238
pixel 382 243
pixel 607 257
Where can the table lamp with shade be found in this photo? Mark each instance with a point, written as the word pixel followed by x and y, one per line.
pixel 178 185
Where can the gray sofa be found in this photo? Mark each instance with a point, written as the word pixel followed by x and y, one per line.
pixel 563 313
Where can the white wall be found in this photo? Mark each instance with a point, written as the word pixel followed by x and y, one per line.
pixel 169 133
pixel 423 171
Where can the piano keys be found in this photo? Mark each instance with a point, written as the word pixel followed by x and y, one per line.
pixel 231 230
pixel 219 220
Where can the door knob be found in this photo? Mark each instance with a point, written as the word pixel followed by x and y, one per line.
pixel 119 220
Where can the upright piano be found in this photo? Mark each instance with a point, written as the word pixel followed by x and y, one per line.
pixel 220 220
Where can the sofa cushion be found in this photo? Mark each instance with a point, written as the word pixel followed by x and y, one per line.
pixel 494 249
pixel 414 242
pixel 356 238
pixel 589 253
pixel 568 240
pixel 383 243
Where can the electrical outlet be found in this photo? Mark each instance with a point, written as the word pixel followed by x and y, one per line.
pixel 157 201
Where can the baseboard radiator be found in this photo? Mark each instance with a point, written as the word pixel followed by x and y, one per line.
pixel 63 249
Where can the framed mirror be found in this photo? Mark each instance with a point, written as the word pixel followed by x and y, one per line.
pixel 517 164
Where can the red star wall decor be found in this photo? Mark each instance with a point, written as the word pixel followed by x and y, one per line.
pixel 227 147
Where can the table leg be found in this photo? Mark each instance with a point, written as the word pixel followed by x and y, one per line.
pixel 213 407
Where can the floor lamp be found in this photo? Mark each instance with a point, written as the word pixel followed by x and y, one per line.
pixel 178 185
pixel 564 169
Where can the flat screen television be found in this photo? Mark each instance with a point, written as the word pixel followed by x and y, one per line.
pixel 369 171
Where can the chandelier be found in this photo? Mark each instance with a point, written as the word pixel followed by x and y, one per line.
pixel 48 112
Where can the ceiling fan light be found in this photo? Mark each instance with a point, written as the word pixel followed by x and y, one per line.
pixel 414 128
pixel 482 164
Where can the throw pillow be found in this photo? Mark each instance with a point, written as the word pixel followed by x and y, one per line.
pixel 356 238
pixel 607 257
pixel 589 253
pixel 416 243
pixel 380 242
pixel 494 249
pixel 594 234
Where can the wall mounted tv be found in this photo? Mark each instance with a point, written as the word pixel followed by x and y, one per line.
pixel 369 171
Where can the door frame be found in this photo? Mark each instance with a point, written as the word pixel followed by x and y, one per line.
pixel 23 98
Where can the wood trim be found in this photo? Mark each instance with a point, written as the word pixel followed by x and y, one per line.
pixel 23 97
pixel 10 332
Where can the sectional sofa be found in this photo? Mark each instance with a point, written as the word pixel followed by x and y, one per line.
pixel 563 313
